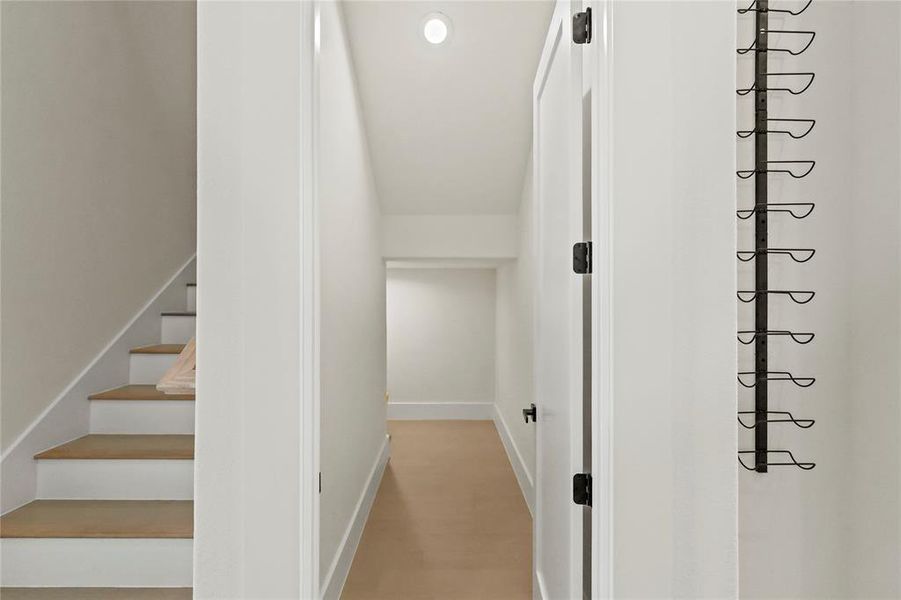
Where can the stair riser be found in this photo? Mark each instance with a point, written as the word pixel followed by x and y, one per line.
pixel 85 562
pixel 76 479
pixel 192 298
pixel 149 368
pixel 139 416
pixel 177 329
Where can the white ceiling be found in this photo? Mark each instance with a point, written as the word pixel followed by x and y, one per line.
pixel 449 126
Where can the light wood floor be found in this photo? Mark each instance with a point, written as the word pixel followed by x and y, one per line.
pixel 449 520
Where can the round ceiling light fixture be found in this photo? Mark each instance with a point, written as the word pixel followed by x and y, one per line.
pixel 436 28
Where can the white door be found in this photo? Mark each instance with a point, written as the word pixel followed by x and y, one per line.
pixel 558 311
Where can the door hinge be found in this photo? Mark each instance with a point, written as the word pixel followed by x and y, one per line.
pixel 320 482
pixel 582 489
pixel 582 258
pixel 582 27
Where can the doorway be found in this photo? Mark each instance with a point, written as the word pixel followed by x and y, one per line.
pixel 450 166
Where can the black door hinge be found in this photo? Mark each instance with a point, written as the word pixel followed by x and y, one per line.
pixel 320 482
pixel 582 258
pixel 582 489
pixel 582 27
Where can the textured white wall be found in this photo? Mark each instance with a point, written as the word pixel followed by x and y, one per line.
pixel 98 193
pixel 514 334
pixel 441 335
pixel 353 346
pixel 673 285
pixel 252 527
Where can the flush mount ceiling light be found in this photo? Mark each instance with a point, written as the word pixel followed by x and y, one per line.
pixel 436 28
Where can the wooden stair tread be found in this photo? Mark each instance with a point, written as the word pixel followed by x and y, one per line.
pixel 138 392
pixel 100 519
pixel 124 446
pixel 159 349
pixel 179 313
pixel 9 593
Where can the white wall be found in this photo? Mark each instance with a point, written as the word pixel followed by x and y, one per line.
pixel 514 335
pixel 671 193
pixel 441 335
pixel 98 193
pixel 352 275
pixel 875 288
pixel 255 453
pixel 835 531
pixel 449 236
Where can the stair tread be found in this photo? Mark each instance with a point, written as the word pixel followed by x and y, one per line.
pixel 179 313
pixel 100 519
pixel 159 349
pixel 138 392
pixel 124 446
pixel 10 593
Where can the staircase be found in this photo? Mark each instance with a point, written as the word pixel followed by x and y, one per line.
pixel 114 508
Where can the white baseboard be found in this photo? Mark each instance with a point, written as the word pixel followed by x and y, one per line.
pixel 439 411
pixel 333 583
pixel 68 416
pixel 538 590
pixel 519 466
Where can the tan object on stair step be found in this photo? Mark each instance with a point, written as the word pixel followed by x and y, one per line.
pixel 180 378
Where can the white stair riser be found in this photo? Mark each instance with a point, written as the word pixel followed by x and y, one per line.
pixel 192 298
pixel 177 329
pixel 149 368
pixel 145 479
pixel 90 562
pixel 142 416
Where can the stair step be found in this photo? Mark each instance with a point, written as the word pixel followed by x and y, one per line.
pixel 177 327
pixel 132 519
pixel 123 447
pixel 159 349
pixel 148 364
pixel 138 392
pixel 137 409
pixel 191 296
pixel 10 593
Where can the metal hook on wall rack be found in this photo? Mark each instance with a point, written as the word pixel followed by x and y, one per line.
pixel 802 423
pixel 746 133
pixel 753 8
pixel 753 47
pixel 792 91
pixel 803 382
pixel 794 462
pixel 801 337
pixel 747 213
pixel 797 296
pixel 792 42
pixel 748 173
pixel 796 254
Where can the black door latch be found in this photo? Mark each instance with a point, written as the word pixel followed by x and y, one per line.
pixel 530 412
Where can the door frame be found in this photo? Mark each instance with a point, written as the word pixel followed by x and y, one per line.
pixel 598 59
pixel 599 63
pixel 309 49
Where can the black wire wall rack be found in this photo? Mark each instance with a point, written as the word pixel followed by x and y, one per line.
pixel 787 43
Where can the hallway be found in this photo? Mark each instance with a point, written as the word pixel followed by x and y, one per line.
pixel 449 520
